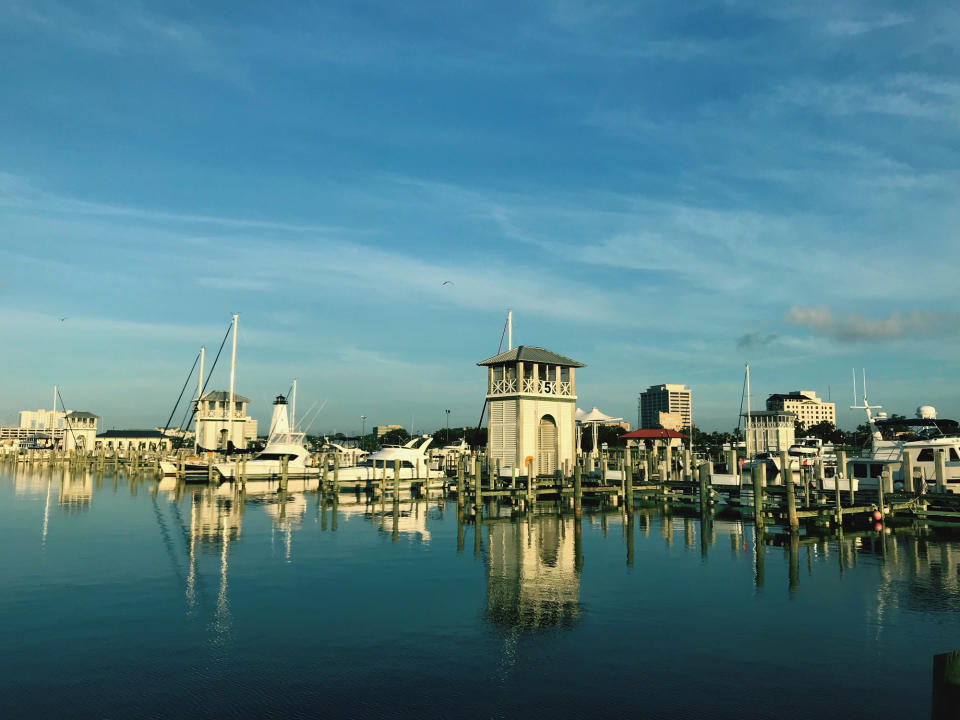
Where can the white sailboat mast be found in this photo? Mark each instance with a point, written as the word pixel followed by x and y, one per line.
pixel 293 407
pixel 509 329
pixel 53 416
pixel 200 377
pixel 747 426
pixel 233 371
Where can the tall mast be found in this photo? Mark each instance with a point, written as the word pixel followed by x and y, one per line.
pixel 293 407
pixel 233 370
pixel 747 438
pixel 53 416
pixel 509 329
pixel 200 377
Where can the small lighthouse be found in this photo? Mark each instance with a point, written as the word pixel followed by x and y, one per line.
pixel 532 400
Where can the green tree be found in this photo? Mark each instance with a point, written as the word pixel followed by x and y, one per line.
pixel 827 432
pixel 398 436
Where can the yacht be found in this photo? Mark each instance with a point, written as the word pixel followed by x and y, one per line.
pixel 920 438
pixel 414 464
pixel 282 442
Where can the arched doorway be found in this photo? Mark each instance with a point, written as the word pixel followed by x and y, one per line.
pixel 547 449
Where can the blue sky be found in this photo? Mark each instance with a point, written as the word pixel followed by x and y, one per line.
pixel 663 191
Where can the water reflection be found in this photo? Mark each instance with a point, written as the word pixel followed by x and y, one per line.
pixel 533 571
pixel 532 561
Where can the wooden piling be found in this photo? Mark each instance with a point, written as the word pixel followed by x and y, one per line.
pixel 880 483
pixel 787 474
pixel 906 469
pixel 284 471
pixel 477 482
pixel 396 480
pixel 336 473
pixel 704 488
pixel 946 685
pixel 577 491
pixel 628 481
pixel 838 505
pixel 757 495
pixel 460 484
pixel 941 470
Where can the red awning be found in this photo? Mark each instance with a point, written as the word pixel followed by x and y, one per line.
pixel 653 434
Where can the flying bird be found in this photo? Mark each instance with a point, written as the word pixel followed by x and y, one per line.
pixel 446 282
pixel 62 319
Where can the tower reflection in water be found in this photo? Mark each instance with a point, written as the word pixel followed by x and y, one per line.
pixel 533 571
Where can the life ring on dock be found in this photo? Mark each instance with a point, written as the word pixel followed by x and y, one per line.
pixel 527 460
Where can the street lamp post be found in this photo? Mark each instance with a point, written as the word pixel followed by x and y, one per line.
pixel 448 426
pixel 363 428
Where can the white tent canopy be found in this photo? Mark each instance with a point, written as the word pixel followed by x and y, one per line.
pixel 595 418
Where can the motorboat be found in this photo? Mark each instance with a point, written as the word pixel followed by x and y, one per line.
pixel 920 438
pixel 282 443
pixel 413 459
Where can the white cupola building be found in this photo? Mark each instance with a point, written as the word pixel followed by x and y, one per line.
pixel 532 400
pixel 218 426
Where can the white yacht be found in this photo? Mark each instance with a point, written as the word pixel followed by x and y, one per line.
pixel 919 438
pixel 413 458
pixel 282 442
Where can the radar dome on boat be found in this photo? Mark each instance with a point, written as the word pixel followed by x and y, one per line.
pixel 927 412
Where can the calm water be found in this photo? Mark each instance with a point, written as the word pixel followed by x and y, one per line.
pixel 127 598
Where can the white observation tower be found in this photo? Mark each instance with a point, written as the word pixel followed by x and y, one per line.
pixel 532 401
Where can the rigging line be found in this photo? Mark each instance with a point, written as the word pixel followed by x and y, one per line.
pixel 499 348
pixel 209 375
pixel 314 418
pixel 182 390
pixel 743 394
pixel 65 419
pixel 306 414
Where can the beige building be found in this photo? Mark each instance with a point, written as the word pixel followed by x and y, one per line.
pixel 531 398
pixel 71 430
pixel 42 419
pixel 216 425
pixel 380 430
pixel 667 399
pixel 769 431
pixel 808 408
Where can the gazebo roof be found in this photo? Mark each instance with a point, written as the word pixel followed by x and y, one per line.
pixel 595 416
pixel 529 353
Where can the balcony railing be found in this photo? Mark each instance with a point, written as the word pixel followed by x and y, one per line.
pixel 529 386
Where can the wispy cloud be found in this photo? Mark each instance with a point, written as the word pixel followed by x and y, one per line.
pixel 853 327
pixel 755 340
pixel 124 28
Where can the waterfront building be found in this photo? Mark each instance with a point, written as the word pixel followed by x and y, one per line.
pixel 217 426
pixel 70 430
pixel 769 431
pixel 125 440
pixel 808 408
pixel 80 432
pixel 661 404
pixel 380 430
pixel 531 398
pixel 42 419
